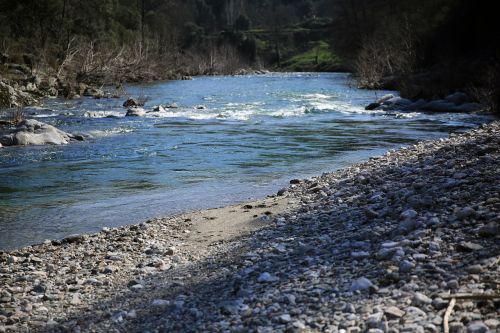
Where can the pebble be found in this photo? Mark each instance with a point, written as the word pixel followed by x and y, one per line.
pixel 394 312
pixel 491 229
pixel 421 299
pixel 406 266
pixel 160 303
pixel 362 284
pixel 266 277
pixel 477 327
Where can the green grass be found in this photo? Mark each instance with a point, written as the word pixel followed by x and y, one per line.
pixel 318 57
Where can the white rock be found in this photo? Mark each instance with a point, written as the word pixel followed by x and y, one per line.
pixel 160 303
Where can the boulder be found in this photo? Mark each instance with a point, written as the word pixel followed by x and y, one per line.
pixel 33 132
pixel 457 98
pixel 469 107
pixel 415 106
pixel 158 108
pixel 12 97
pixel 172 106
pixel 93 92
pixel 385 98
pixel 136 112
pixel 442 105
pixel 131 102
pixel 393 103
pixel 372 106
pixel 438 105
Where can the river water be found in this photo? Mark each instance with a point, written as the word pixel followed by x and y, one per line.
pixel 255 134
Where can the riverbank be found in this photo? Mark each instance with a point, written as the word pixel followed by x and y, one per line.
pixel 382 245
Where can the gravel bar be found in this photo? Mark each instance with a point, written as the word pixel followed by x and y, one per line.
pixel 381 246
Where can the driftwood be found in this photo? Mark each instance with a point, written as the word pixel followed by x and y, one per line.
pixel 446 318
pixel 479 297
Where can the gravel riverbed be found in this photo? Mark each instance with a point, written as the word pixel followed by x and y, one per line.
pixel 381 246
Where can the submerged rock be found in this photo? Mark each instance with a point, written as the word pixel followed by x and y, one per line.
pixel 33 132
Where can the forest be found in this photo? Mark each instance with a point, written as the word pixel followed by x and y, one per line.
pixel 412 46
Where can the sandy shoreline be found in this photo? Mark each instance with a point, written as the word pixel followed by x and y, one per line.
pixel 370 248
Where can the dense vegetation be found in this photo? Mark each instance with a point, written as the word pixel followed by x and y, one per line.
pixel 110 39
pixel 423 48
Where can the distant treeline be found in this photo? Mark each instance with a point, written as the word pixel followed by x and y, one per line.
pixel 111 39
pixel 423 48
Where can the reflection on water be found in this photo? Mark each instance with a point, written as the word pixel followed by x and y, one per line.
pixel 255 133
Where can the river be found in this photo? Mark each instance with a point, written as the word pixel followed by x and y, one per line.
pixel 254 135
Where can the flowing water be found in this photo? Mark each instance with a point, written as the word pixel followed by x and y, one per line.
pixel 254 134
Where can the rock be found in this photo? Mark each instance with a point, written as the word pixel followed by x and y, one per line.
pixel 376 320
pixel 75 299
pixel 438 303
pixel 136 112
pixel 172 106
pixel 267 278
pixel 360 254
pixel 362 284
pixel 453 284
pixel 33 132
pixel 465 213
pixel 372 106
pixel 285 318
pixel 14 97
pixel 491 229
pixel 477 327
pixel 388 253
pixel 457 98
pixel 393 312
pixel 159 108
pixel 200 107
pixel 170 251
pixel 415 106
pixel 469 246
pixel 160 303
pixel 421 299
pixel 406 266
pixel 94 92
pixel 408 214
pixel 474 269
pixel 136 287
pixel 415 313
pixel 408 225
pixel 468 107
pixel 131 103
pixel 385 98
pixel 398 101
pixel 439 106
pixel 74 239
